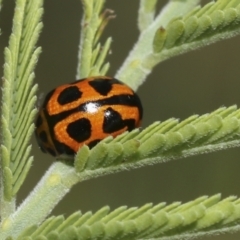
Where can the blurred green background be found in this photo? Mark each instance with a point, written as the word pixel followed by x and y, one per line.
pixel 194 83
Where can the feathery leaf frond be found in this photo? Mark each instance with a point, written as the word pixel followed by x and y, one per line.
pixel 183 221
pixel 173 32
pixel 163 141
pixel 18 95
pixel 215 21
pixel 91 53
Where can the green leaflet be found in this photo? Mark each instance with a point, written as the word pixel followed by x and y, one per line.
pixel 18 95
pixel 213 22
pixel 157 143
pixel 141 58
pixel 181 220
pixel 177 30
pixel 91 56
pixel 164 141
pixel 161 141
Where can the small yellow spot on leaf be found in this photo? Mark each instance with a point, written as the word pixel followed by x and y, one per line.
pixel 54 179
pixel 135 63
pixel 7 223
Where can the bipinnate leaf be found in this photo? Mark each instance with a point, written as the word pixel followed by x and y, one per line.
pixel 204 215
pixel 181 26
pixel 18 94
pixel 161 142
pixel 202 26
pixel 92 54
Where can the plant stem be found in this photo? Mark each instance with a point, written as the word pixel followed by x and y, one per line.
pixel 37 206
pixel 6 207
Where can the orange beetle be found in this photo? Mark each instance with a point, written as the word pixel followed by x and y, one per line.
pixel 85 112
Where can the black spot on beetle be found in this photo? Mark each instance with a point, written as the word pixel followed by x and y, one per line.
pixel 63 149
pixel 43 136
pixel 112 121
pixel 79 130
pixel 39 121
pixel 52 152
pixel 93 143
pixel 130 124
pixel 67 150
pixel 69 95
pixel 101 86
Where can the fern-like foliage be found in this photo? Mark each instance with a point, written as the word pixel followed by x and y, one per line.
pixel 201 26
pixel 158 143
pixel 150 221
pixel 91 53
pixel 173 32
pixel 162 35
pixel 18 91
pixel 163 141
